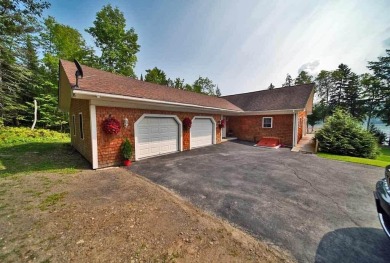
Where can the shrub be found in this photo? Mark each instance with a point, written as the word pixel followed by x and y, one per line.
pixel 15 135
pixel 126 149
pixel 379 135
pixel 344 135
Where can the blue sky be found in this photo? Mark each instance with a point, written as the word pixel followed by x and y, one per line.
pixel 244 45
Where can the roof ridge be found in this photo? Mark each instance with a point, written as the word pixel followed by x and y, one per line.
pixel 264 90
pixel 146 82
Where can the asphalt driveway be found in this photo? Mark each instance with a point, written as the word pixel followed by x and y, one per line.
pixel 320 210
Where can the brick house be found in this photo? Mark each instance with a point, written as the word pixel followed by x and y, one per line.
pixel 152 115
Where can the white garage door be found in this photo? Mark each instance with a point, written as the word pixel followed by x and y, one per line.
pixel 201 132
pixel 156 136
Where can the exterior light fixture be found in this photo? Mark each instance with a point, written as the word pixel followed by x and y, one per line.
pixel 125 122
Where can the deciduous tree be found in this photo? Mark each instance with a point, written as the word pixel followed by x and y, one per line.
pixel 156 75
pixel 118 45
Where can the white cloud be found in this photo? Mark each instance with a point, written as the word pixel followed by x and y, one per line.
pixel 309 67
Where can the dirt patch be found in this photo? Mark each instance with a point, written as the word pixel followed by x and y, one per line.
pixel 114 216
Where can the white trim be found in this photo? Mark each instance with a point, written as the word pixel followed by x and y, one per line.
pixel 272 122
pixel 128 98
pixel 222 128
pixel 295 131
pixel 94 143
pixel 81 126
pixel 180 125
pixel 214 128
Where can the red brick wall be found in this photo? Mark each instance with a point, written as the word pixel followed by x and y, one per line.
pixel 82 145
pixel 249 128
pixel 109 145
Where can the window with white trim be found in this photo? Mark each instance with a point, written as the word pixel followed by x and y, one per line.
pixel 81 125
pixel 267 122
pixel 74 125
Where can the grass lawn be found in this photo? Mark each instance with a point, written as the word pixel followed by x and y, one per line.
pixel 26 151
pixel 382 160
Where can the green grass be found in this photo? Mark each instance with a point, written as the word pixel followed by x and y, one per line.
pixel 51 200
pixel 25 151
pixel 382 160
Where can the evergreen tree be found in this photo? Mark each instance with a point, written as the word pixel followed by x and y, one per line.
pixel 381 69
pixel 324 85
pixel 341 78
pixel 303 78
pixel 372 96
pixel 288 82
pixel 271 86
pixel 17 20
pixel 218 92
pixel 352 98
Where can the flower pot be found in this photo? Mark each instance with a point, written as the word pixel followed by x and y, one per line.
pixel 126 162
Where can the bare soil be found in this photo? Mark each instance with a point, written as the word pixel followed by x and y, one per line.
pixel 114 216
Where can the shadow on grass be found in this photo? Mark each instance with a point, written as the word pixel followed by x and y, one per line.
pixel 40 157
pixel 355 244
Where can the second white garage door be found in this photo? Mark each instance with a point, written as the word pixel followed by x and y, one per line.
pixel 201 132
pixel 156 136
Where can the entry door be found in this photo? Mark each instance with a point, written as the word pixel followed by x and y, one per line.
pixel 201 132
pixel 156 136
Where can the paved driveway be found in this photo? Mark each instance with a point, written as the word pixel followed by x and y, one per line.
pixel 320 210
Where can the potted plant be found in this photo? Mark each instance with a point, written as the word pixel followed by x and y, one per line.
pixel 127 152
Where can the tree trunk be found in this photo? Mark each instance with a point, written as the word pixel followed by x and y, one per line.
pixel 368 121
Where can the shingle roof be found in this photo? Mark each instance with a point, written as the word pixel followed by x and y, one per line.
pixel 285 98
pixel 100 81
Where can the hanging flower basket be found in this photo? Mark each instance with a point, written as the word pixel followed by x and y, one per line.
pixel 222 124
pixel 187 123
pixel 111 126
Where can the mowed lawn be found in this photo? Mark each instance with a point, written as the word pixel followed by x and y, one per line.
pixel 382 160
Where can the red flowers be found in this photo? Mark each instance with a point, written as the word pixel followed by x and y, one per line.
pixel 222 124
pixel 187 123
pixel 111 125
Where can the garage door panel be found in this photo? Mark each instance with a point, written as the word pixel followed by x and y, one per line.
pixel 201 132
pixel 157 135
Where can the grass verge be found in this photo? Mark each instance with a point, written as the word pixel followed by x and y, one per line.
pixel 26 151
pixel 382 160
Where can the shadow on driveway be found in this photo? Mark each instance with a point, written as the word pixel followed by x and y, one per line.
pixel 354 245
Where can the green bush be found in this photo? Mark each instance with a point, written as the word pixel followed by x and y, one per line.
pixel 344 135
pixel 126 149
pixel 15 135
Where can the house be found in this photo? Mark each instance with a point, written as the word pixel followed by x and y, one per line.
pixel 152 115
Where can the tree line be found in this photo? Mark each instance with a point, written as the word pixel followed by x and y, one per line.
pixel 364 97
pixel 31 46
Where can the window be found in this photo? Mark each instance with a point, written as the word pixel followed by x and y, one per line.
pixel 81 125
pixel 74 125
pixel 267 122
